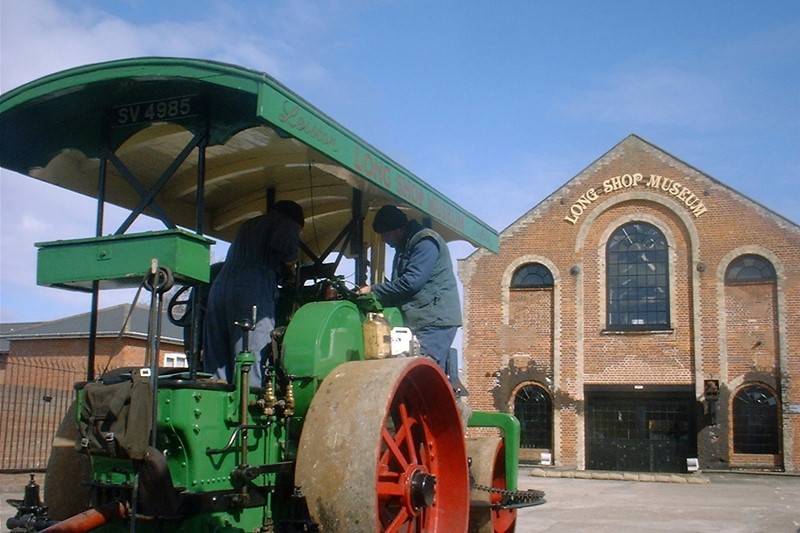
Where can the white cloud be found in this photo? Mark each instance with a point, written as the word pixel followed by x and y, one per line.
pixel 672 102
pixel 40 37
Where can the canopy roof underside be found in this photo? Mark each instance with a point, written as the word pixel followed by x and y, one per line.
pixel 236 139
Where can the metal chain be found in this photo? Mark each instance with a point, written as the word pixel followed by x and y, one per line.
pixel 529 495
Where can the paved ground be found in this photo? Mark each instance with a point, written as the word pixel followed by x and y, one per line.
pixel 730 503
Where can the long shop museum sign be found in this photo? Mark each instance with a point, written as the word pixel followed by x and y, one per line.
pixel 655 182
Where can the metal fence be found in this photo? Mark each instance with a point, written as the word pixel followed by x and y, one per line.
pixel 35 393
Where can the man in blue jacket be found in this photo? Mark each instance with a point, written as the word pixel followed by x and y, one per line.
pixel 423 283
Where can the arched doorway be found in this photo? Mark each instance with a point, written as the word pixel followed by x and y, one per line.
pixel 533 407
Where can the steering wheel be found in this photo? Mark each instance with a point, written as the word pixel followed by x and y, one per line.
pixel 335 288
pixel 180 299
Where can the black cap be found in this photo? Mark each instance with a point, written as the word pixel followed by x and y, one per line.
pixel 388 218
pixel 290 209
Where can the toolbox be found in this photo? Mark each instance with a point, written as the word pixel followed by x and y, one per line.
pixel 122 261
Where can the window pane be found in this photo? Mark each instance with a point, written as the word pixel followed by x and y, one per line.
pixel 755 421
pixel 750 269
pixel 637 278
pixel 533 409
pixel 533 275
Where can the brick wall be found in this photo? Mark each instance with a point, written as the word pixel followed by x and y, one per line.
pixel 36 389
pixel 558 337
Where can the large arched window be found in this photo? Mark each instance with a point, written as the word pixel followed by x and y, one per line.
pixel 755 421
pixel 749 268
pixel 532 276
pixel 637 278
pixel 534 410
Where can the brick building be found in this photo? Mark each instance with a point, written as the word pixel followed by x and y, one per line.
pixel 41 361
pixel 642 315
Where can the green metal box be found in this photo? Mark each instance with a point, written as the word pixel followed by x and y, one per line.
pixel 120 261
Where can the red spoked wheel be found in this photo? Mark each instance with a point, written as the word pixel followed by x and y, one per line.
pixel 382 449
pixel 488 470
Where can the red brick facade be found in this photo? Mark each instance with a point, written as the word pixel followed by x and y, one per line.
pixel 37 379
pixel 110 353
pixel 558 338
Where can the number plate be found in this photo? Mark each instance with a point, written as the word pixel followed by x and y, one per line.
pixel 166 109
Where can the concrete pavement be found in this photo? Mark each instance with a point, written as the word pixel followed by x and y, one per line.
pixel 730 503
pixel 591 502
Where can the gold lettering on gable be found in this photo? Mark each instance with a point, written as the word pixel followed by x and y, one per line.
pixel 664 185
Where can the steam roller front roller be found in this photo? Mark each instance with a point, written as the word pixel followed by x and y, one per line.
pixel 489 480
pixel 383 450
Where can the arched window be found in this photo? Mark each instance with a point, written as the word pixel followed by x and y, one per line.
pixel 532 276
pixel 534 410
pixel 755 421
pixel 637 278
pixel 749 268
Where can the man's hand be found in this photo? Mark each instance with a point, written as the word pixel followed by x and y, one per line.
pixel 366 289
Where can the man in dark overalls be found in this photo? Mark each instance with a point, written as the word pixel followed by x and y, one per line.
pixel 265 251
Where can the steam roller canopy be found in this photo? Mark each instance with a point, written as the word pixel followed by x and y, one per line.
pixel 382 449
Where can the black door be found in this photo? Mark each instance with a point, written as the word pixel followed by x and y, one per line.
pixel 645 432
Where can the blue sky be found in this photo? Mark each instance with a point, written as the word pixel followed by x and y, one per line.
pixel 496 104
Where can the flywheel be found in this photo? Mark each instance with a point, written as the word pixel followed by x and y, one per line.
pixel 382 450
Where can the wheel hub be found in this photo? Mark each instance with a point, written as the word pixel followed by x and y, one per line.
pixel 422 489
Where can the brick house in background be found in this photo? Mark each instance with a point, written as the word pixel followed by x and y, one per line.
pixel 41 361
pixel 641 315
